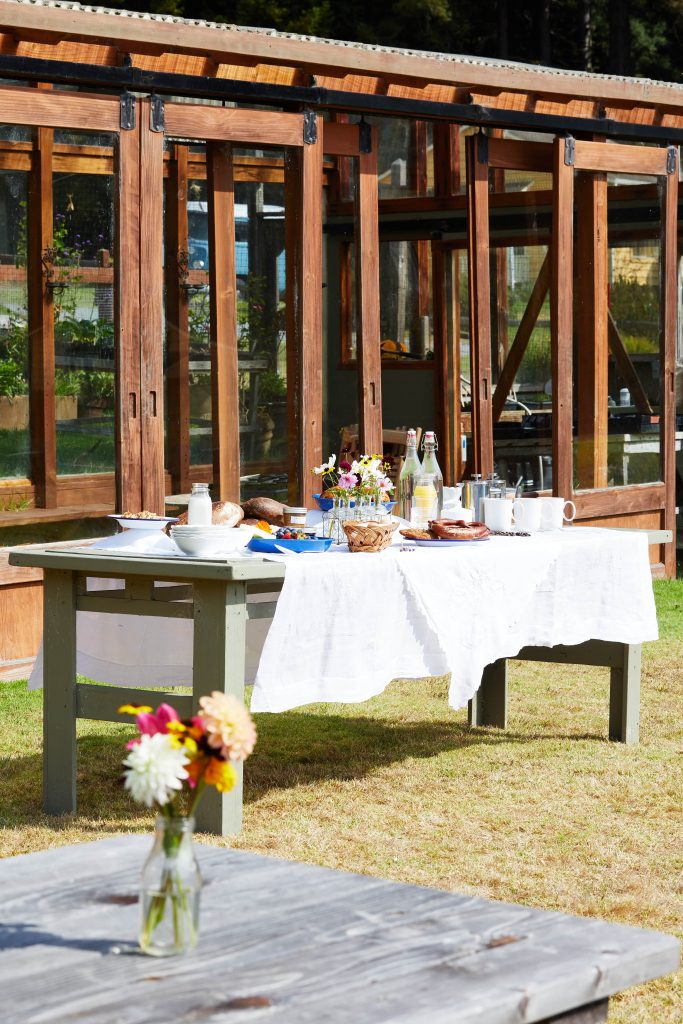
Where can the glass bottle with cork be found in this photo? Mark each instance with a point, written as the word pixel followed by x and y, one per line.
pixel 428 492
pixel 407 478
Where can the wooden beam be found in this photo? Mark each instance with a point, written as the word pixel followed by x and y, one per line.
pixel 521 339
pixel 224 374
pixel 669 315
pixel 41 326
pixel 561 284
pixel 151 313
pixel 367 304
pixel 481 459
pixel 127 323
pixel 626 368
pixel 177 326
pixel 596 156
pixel 59 109
pixel 591 293
pixel 231 45
pixel 221 124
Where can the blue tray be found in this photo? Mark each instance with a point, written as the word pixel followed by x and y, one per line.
pixel 262 546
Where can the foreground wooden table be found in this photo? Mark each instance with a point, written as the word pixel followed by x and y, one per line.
pixel 212 592
pixel 301 945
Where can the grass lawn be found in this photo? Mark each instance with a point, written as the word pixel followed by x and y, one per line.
pixel 548 814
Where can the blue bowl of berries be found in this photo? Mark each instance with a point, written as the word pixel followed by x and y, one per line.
pixel 290 539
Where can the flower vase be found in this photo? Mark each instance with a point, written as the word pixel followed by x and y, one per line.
pixel 169 891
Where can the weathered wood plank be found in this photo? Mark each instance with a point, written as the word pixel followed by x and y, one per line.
pixel 330 946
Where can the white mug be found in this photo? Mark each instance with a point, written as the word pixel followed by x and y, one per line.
pixel 553 513
pixel 527 514
pixel 498 513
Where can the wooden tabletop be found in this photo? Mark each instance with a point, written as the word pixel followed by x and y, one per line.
pixel 99 562
pixel 296 944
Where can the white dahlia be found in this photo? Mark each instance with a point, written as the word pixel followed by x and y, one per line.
pixel 155 769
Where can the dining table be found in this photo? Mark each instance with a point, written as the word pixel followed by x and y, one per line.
pixel 300 944
pixel 338 628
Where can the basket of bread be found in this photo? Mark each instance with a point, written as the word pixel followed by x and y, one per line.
pixel 369 536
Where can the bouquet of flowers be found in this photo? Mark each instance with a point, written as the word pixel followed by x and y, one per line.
pixel 364 478
pixel 168 766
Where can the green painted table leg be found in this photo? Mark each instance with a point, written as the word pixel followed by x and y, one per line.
pixel 59 692
pixel 489 706
pixel 220 620
pixel 624 696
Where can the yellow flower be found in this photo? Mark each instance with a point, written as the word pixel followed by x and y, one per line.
pixel 134 709
pixel 228 724
pixel 220 774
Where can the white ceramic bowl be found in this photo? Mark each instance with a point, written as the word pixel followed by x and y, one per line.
pixel 212 541
pixel 130 523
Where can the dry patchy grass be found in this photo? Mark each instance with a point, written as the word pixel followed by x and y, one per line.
pixel 549 814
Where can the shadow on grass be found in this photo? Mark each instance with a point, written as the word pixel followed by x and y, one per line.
pixel 294 749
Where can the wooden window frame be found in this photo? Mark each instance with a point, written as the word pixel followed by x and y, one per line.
pixel 45 110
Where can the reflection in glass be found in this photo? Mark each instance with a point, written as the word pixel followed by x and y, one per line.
pixel 14 373
pixel 624 447
pixel 80 283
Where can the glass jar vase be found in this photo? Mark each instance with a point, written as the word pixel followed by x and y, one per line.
pixel 169 890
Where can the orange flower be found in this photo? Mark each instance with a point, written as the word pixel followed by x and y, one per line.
pixel 220 774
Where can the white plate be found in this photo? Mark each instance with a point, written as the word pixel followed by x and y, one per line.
pixel 448 543
pixel 129 523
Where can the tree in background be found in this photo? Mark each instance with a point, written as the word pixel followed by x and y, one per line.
pixel 622 37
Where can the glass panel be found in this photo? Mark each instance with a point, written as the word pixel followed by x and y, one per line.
pixel 405 157
pixel 14 380
pixel 520 343
pixel 82 288
pixel 624 448
pixel 261 301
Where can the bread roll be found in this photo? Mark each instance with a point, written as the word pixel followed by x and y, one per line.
pixel 265 508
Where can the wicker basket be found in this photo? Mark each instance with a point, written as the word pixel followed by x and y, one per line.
pixel 370 536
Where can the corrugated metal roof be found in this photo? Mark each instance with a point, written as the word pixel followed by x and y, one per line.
pixel 447 58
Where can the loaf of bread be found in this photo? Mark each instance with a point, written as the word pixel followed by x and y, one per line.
pixel 223 513
pixel 265 508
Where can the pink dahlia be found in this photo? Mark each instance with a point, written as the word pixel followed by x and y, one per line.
pixel 229 726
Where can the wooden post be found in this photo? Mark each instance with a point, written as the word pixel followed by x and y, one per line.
pixel 561 318
pixel 489 705
pixel 592 330
pixel 624 696
pixel 224 370
pixel 127 322
pixel 220 619
pixel 151 313
pixel 443 389
pixel 303 240
pixel 177 328
pixel 367 305
pixel 481 459
pixel 669 314
pixel 446 158
pixel 59 693
pixel 41 323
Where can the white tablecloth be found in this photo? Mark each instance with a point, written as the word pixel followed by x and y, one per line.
pixel 346 625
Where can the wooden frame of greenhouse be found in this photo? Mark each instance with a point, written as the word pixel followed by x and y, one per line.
pixel 220 246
